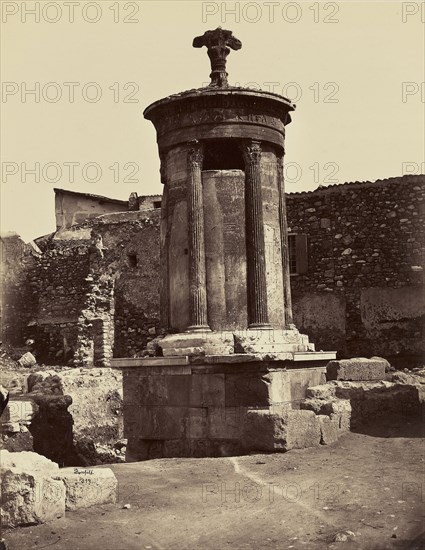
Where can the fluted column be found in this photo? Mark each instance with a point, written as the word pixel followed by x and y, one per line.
pixel 165 321
pixel 197 271
pixel 255 247
pixel 289 322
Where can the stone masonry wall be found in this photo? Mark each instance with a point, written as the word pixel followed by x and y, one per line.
pixel 362 293
pixel 60 277
pixel 98 294
pixel 18 291
pixel 131 258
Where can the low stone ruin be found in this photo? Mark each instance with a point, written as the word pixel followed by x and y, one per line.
pixel 92 401
pixel 34 489
pixel 357 392
pixel 66 413
pixel 71 416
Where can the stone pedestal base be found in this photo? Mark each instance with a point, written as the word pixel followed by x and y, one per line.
pixel 272 341
pixel 197 343
pixel 252 341
pixel 217 405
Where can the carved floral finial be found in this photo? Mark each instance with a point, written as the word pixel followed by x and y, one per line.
pixel 218 43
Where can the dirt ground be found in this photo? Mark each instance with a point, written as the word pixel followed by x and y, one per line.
pixel 368 484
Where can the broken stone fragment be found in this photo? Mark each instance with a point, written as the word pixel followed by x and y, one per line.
pixel 338 410
pixel 328 430
pixel 87 487
pixel 324 391
pixel 30 495
pixel 27 360
pixel 358 368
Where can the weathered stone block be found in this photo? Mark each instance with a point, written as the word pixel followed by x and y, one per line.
pixel 318 406
pixel 279 387
pixel 388 367
pixel 358 368
pixel 30 495
pixel 207 390
pixel 225 423
pixel 197 426
pixel 136 450
pixel 164 390
pixel 88 487
pixel 198 448
pixel 246 390
pixel 372 399
pixel 324 391
pixel 302 430
pixel 296 429
pixel 222 447
pixel 341 412
pixel 338 410
pixel 159 422
pixel 328 430
pixel 290 386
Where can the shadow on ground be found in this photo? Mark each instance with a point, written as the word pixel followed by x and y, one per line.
pixel 393 426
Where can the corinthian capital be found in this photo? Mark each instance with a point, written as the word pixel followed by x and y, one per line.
pixel 195 154
pixel 251 151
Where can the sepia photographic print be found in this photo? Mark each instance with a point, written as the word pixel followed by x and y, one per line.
pixel 212 275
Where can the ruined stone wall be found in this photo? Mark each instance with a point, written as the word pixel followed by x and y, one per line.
pixel 131 259
pixel 98 290
pixel 18 292
pixel 362 293
pixel 60 277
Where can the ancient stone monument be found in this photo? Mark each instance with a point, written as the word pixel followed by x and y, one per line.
pixel 231 351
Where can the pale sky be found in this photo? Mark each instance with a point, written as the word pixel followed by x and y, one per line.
pixel 347 62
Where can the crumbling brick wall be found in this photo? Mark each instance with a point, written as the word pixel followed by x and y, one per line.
pixel 363 288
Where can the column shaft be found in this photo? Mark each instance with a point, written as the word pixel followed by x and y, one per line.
pixel 197 270
pixel 255 247
pixel 289 322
